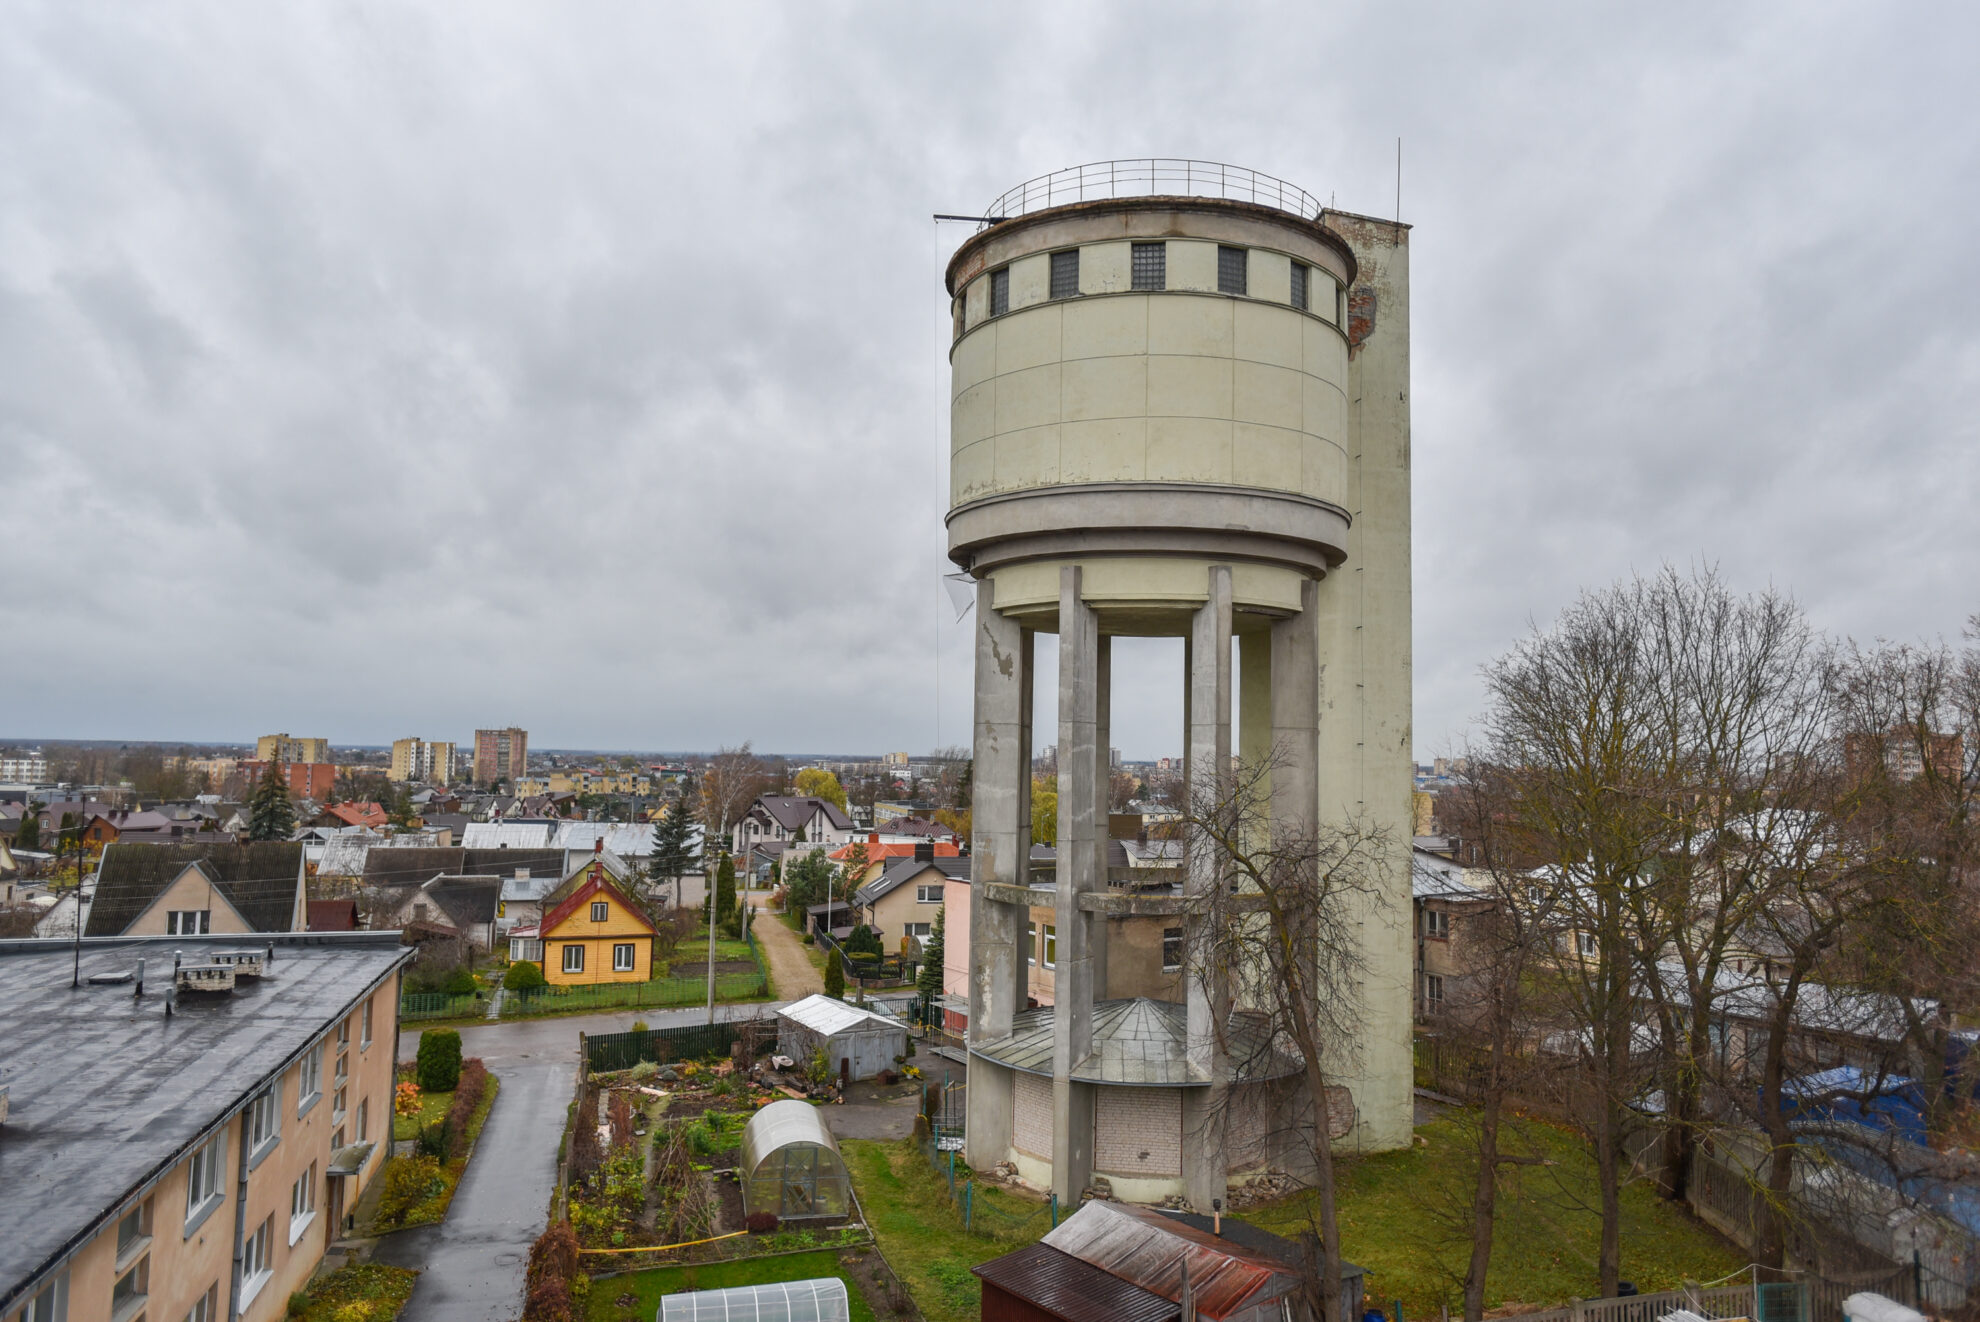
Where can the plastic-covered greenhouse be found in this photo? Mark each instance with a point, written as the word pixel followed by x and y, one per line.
pixel 791 1165
pixel 821 1300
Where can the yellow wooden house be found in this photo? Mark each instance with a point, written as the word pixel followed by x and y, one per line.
pixel 596 934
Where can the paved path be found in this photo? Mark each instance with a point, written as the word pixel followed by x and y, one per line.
pixel 473 1262
pixel 790 967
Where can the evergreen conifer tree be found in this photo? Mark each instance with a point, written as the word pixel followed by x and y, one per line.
pixel 673 845
pixel 835 976
pixel 271 816
pixel 929 981
pixel 28 834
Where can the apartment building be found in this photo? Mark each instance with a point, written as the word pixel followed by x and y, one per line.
pixel 28 769
pixel 285 748
pixel 184 1143
pixel 427 760
pixel 500 755
pixel 307 780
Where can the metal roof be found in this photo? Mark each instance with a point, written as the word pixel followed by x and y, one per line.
pixel 507 835
pixel 1145 1248
pixel 1138 1042
pixel 831 1016
pixel 1065 1287
pixel 822 1299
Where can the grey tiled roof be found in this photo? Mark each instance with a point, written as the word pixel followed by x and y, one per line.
pixel 1138 1041
pixel 261 880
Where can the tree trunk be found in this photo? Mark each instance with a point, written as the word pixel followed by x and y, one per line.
pixel 1485 1193
pixel 1323 1185
pixel 1609 1176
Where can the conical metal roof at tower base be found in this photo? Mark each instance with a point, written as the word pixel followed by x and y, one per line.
pixel 1140 1042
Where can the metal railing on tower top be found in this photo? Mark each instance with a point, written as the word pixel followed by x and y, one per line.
pixel 1152 176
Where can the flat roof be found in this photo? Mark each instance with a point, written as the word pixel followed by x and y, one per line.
pixel 105 1093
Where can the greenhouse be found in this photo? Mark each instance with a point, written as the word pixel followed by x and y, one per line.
pixel 820 1300
pixel 791 1167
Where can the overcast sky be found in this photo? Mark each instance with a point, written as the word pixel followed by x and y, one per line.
pixel 370 370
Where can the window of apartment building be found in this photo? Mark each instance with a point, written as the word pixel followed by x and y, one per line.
pixel 204 1173
pixel 928 894
pixel 206 1307
pixel 1149 266
pixel 600 911
pixel 1050 941
pixel 343 1064
pixel 1587 944
pixel 1300 274
pixel 919 931
pixel 337 1141
pixel 364 1118
pixel 188 922
pixel 1433 989
pixel 1065 273
pixel 337 1108
pixel 1436 923
pixel 1000 291
pixel 133 1233
pixel 1232 271
pixel 128 1294
pixel 256 1265
pixel 573 959
pixel 49 1304
pixel 344 1031
pixel 1172 949
pixel 622 957
pixel 365 1039
pixel 264 1122
pixel 309 1087
pixel 302 1203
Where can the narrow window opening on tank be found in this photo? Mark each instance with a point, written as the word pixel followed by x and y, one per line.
pixel 1000 291
pixel 1231 271
pixel 1299 278
pixel 1151 266
pixel 1065 274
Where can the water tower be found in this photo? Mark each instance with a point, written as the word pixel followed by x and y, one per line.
pixel 1180 407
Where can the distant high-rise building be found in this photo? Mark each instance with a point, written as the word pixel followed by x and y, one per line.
pixel 307 780
pixel 500 755
pixel 33 769
pixel 284 748
pixel 429 760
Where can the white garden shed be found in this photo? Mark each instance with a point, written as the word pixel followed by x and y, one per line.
pixel 865 1040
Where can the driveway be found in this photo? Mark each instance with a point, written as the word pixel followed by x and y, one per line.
pixel 473 1261
pixel 790 967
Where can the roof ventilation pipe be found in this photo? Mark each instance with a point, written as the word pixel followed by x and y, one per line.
pixel 139 989
pixel 171 996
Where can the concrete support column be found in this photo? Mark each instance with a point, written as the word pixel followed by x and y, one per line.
pixel 1081 847
pixel 1207 1009
pixel 1295 705
pixel 1254 718
pixel 1000 803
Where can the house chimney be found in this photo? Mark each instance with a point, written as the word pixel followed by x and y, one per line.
pixel 872 837
pixel 598 845
pixel 924 851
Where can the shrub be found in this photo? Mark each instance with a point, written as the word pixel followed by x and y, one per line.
pixel 639 1026
pixel 433 1141
pixel 554 1255
pixel 468 1094
pixel 524 975
pixel 460 983
pixel 409 1181
pixel 549 1302
pixel 645 1072
pixel 807 938
pixel 761 1223
pixel 298 1303
pixel 439 1066
pixel 405 1099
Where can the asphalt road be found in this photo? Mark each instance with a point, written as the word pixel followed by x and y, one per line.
pixel 472 1263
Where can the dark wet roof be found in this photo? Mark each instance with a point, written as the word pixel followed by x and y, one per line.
pixel 896 872
pixel 1136 1041
pixel 260 880
pixel 106 1093
pixel 398 867
pixel 333 915
pixel 1065 1287
pixel 794 810
pixel 466 900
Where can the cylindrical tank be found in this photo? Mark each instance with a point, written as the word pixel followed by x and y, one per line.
pixel 1150 376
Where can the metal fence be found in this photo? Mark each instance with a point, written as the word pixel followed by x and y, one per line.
pixel 440 1005
pixel 655 993
pixel 1154 176
pixel 622 1051
pixel 981 1216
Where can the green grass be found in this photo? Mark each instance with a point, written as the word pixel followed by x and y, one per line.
pixel 656 993
pixel 432 1109
pixel 647 1287
pixel 908 1209
pixel 364 1292
pixel 1404 1217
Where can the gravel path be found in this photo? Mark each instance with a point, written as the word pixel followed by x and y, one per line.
pixel 790 967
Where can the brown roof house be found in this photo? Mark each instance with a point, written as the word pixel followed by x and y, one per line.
pixel 188 890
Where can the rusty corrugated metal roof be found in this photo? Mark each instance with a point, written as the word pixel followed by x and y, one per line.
pixel 1065 1287
pixel 1147 1249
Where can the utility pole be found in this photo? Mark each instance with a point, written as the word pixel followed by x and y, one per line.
pixel 708 881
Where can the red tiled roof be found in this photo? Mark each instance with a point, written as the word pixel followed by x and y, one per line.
pixel 877 852
pixel 358 814
pixel 598 881
pixel 333 915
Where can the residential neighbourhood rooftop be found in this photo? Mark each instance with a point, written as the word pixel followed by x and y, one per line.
pixel 106 1092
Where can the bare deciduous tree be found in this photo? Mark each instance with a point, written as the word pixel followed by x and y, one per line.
pixel 729 784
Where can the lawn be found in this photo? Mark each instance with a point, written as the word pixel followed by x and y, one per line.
pixel 921 1232
pixel 647 1287
pixel 1405 1218
pixel 1399 1213
pixel 432 1109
